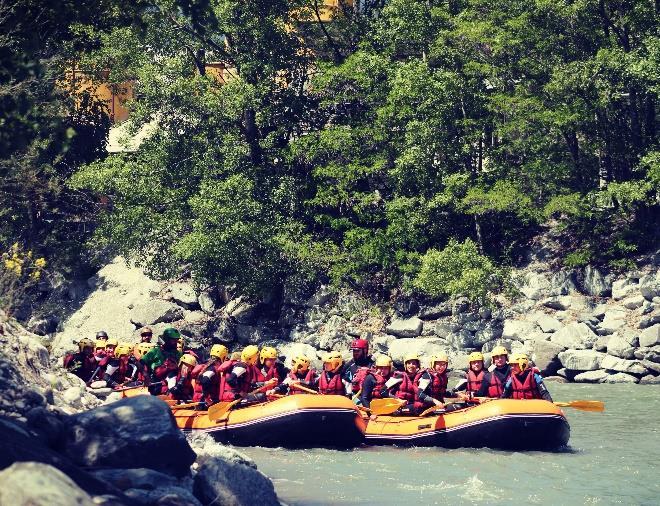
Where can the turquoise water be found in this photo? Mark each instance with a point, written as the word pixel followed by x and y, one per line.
pixel 612 459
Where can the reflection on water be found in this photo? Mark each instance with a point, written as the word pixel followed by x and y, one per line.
pixel 611 459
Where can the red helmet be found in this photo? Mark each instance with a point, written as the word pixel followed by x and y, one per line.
pixel 360 344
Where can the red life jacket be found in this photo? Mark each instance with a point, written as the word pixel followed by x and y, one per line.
pixel 308 379
pixel 474 381
pixel 196 373
pixel 358 379
pixel 243 383
pixel 331 386
pixel 165 368
pixel 526 389
pixel 496 386
pixel 80 365
pixel 186 391
pixel 376 393
pixel 438 384
pixel 407 389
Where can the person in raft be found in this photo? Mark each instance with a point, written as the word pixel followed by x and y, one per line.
pixel 161 362
pixel 525 381
pixel 207 376
pixel 432 383
pixel 83 364
pixel 301 374
pixel 121 367
pixel 407 388
pixel 380 382
pixel 181 387
pixel 359 366
pixel 271 367
pixel 244 377
pixel 331 381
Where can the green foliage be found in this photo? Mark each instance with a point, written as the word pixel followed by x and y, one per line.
pixel 457 270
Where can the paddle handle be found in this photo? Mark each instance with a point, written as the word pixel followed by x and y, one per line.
pixel 298 386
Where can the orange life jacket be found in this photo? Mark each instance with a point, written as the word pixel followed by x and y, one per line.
pixel 527 388
pixel 331 386
pixel 496 385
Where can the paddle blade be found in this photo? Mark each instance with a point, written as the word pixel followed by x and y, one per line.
pixel 583 405
pixel 219 410
pixel 385 406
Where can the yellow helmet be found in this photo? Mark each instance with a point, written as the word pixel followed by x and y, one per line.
pixel 188 359
pixel 100 344
pixel 144 348
pixel 334 359
pixel 499 350
pixel 300 363
pixel 111 342
pixel 410 356
pixel 123 349
pixel 521 360
pixel 219 351
pixel 438 357
pixel 235 356
pixel 475 356
pixel 268 352
pixel 384 361
pixel 250 354
pixel 85 343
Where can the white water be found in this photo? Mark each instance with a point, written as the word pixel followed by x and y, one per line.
pixel 612 459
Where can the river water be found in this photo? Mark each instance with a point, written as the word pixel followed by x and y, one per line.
pixel 612 459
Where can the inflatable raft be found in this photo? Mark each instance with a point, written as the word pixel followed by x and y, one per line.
pixel 294 421
pixel 501 424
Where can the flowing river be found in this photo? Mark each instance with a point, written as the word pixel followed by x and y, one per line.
pixel 612 459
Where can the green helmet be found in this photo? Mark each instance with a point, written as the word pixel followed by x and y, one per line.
pixel 170 333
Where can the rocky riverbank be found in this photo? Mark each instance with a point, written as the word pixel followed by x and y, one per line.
pixel 60 449
pixel 581 325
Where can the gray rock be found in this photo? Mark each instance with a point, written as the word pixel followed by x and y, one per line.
pixel 435 312
pixel 409 327
pixel 381 343
pixel 545 356
pixel 608 327
pixel 558 303
pixel 621 365
pixel 596 376
pixel 599 311
pixel 649 379
pixel 620 377
pixel 460 305
pixel 37 484
pixel 555 379
pixel 517 329
pixel 461 339
pixel 320 297
pixel 147 479
pixel 575 335
pixel 443 329
pixel 622 288
pixel 423 346
pixel 548 323
pixel 581 360
pixel 163 496
pixel 507 343
pixel 248 334
pixel 206 302
pixel 633 302
pixel 601 343
pixel 224 483
pixel 155 311
pixel 618 344
pixel 139 430
pixel 242 311
pixel 490 331
pixel 594 283
pixel 649 286
pixel 184 295
pixel 649 321
pixel 651 366
pixel 650 336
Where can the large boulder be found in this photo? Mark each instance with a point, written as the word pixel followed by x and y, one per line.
pixel 423 346
pixel 548 323
pixel 155 311
pixel 649 286
pixel 633 302
pixel 489 331
pixel 581 360
pixel 184 295
pixel 545 356
pixel 596 376
pixel 207 302
pixel 517 329
pixel 621 365
pixel 408 327
pixel 649 320
pixel 620 377
pixel 140 430
pixel 594 283
pixel 649 379
pixel 221 482
pixel 622 288
pixel 37 484
pixel 619 344
pixel 650 336
pixel 435 312
pixel 575 335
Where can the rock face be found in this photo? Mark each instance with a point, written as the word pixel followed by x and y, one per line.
pixel 423 346
pixel 545 356
pixel 575 335
pixel 155 311
pixel 594 283
pixel 517 329
pixel 581 360
pixel 224 483
pixel 650 336
pixel 622 365
pixel 410 327
pixel 139 430
pixel 36 484
pixel 184 295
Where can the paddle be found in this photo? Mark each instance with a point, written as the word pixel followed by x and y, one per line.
pixel 385 406
pixel 457 400
pixel 298 386
pixel 220 409
pixel 185 406
pixel 583 405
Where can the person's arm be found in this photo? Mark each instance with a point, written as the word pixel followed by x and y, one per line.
pixel 506 394
pixel 367 390
pixel 423 386
pixel 543 390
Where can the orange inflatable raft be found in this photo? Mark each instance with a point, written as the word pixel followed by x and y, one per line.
pixel 292 421
pixel 501 424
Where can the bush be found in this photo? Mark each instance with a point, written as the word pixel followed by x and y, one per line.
pixel 458 270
